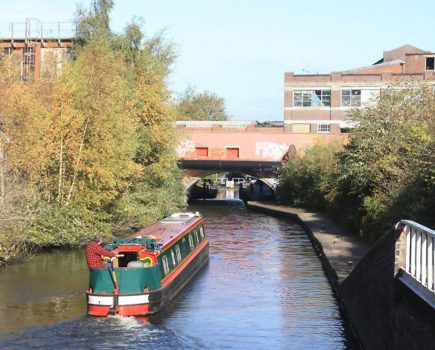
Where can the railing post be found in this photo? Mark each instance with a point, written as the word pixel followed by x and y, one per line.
pixel 408 249
pixel 413 250
pixel 418 261
pixel 417 243
pixel 430 264
pixel 401 248
pixel 424 259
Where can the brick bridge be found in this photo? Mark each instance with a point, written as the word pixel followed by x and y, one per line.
pixel 206 148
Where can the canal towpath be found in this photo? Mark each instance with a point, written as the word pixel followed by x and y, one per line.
pixel 338 250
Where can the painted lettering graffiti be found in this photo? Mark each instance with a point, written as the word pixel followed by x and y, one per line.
pixel 185 147
pixel 270 150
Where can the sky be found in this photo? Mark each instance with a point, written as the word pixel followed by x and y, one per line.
pixel 240 49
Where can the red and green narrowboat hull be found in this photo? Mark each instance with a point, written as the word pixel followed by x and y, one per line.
pixel 158 262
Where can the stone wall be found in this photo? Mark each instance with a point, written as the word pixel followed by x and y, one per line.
pixel 384 311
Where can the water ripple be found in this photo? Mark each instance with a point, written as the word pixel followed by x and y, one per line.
pixel 263 288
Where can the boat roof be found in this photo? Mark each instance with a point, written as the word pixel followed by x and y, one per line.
pixel 165 231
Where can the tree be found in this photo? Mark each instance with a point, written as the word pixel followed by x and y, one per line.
pixel 386 171
pixel 18 136
pixel 200 106
pixel 93 148
pixel 93 22
pixel 308 178
pixel 156 189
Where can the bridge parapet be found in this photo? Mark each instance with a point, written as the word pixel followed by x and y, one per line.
pixel 388 307
pixel 415 253
pixel 242 141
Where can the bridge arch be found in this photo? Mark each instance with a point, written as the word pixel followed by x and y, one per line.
pixel 263 188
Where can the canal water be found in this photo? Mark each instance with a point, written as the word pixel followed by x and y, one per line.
pixel 263 288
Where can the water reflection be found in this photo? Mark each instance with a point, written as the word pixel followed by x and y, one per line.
pixel 46 288
pixel 263 288
pixel 227 193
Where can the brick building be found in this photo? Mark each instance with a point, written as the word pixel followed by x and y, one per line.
pixel 35 49
pixel 321 103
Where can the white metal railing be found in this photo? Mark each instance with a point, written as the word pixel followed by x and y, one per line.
pixel 420 253
pixel 34 29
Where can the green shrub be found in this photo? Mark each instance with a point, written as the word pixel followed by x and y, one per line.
pixel 384 174
pixel 307 179
pixel 71 226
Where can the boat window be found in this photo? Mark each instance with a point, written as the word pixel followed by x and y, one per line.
pixel 196 237
pixel 173 258
pixel 184 248
pixel 178 252
pixel 201 232
pixel 191 242
pixel 165 265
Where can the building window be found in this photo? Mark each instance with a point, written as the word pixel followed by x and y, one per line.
pixel 29 56
pixel 7 50
pixel 358 97
pixel 430 63
pixel 323 128
pixel 28 63
pixel 232 152
pixel 312 98
pixel 351 98
pixel 201 151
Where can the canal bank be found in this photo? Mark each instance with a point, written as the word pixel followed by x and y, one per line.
pixel 384 308
pixel 338 250
pixel 262 275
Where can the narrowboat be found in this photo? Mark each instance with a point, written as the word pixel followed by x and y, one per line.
pixel 152 266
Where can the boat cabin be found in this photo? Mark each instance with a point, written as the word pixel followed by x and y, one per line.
pixel 157 261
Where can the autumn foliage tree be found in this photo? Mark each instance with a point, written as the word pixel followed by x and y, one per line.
pixel 92 149
pixel 200 106
pixel 385 172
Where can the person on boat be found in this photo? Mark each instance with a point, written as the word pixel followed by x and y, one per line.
pixel 95 254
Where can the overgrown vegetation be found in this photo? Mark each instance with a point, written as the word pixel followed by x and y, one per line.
pixel 200 106
pixel 309 177
pixel 385 173
pixel 91 150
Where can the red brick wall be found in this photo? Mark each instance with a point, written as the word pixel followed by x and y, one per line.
pixel 393 68
pixel 415 64
pixel 335 128
pixel 18 45
pixel 335 98
pixel 288 99
pixel 400 53
pixel 308 114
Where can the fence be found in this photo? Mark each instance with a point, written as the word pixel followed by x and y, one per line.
pixel 34 29
pixel 420 253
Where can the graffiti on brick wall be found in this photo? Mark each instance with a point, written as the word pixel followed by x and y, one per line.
pixel 185 147
pixel 270 150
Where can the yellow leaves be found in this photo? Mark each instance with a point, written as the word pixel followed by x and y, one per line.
pixel 103 128
pixel 22 109
pixel 73 133
pixel 95 140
